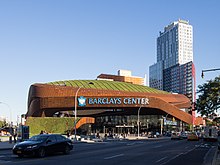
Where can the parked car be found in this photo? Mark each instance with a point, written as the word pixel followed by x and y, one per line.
pixel 43 144
pixel 176 135
pixel 184 135
pixel 192 136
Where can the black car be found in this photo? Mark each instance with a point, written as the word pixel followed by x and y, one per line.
pixel 43 144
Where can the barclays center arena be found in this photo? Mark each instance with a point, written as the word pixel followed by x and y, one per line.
pixel 104 106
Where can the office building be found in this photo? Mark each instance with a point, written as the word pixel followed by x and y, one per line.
pixel 174 70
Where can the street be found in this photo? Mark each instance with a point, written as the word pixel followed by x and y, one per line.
pixel 151 151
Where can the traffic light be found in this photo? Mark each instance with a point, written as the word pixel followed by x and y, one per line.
pixel 208 70
pixel 202 74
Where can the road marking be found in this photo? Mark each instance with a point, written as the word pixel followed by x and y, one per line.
pixel 161 159
pixel 188 151
pixel 206 155
pixel 130 144
pixel 157 146
pixel 2 161
pixel 178 155
pixel 171 159
pixel 114 156
pixel 133 143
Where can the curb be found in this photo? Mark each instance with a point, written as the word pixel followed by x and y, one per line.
pixel 210 157
pixel 2 149
pixel 215 161
pixel 214 158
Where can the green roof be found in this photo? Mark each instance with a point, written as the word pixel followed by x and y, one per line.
pixel 107 85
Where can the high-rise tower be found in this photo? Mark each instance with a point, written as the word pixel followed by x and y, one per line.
pixel 174 70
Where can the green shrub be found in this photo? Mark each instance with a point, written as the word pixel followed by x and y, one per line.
pixel 50 124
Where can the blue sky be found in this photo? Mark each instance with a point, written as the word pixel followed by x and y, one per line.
pixel 49 40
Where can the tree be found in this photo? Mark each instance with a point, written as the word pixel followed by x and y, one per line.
pixel 2 123
pixel 208 102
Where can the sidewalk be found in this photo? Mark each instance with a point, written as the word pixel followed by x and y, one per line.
pixel 216 159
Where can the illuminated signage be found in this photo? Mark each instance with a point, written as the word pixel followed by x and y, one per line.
pixel 82 101
pixel 169 122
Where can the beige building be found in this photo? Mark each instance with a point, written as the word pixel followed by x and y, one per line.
pixel 123 76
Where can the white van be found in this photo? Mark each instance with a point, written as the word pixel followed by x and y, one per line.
pixel 210 133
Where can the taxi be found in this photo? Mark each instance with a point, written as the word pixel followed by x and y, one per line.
pixel 192 136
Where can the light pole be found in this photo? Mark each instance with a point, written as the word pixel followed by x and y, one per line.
pixel 75 113
pixel 138 121
pixel 165 121
pixel 9 111
pixel 161 127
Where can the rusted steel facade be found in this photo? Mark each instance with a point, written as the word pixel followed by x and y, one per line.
pixel 45 100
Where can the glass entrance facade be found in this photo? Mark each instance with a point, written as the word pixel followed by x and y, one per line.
pixel 128 124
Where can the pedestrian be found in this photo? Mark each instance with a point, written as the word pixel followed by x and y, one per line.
pixel 97 135
pixel 68 134
pixel 15 137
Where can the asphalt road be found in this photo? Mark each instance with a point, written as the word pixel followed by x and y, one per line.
pixel 146 152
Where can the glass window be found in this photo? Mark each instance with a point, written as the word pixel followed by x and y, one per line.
pixel 60 138
pixel 52 138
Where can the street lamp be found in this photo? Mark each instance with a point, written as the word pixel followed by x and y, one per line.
pixel 161 126
pixel 75 113
pixel 165 121
pixel 9 111
pixel 139 121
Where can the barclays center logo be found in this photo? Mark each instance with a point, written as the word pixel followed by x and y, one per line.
pixel 81 101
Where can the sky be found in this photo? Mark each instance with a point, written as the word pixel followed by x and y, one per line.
pixel 50 40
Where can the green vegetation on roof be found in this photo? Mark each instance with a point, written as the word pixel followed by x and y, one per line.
pixel 107 85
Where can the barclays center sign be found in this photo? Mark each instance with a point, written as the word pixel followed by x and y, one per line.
pixel 83 101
